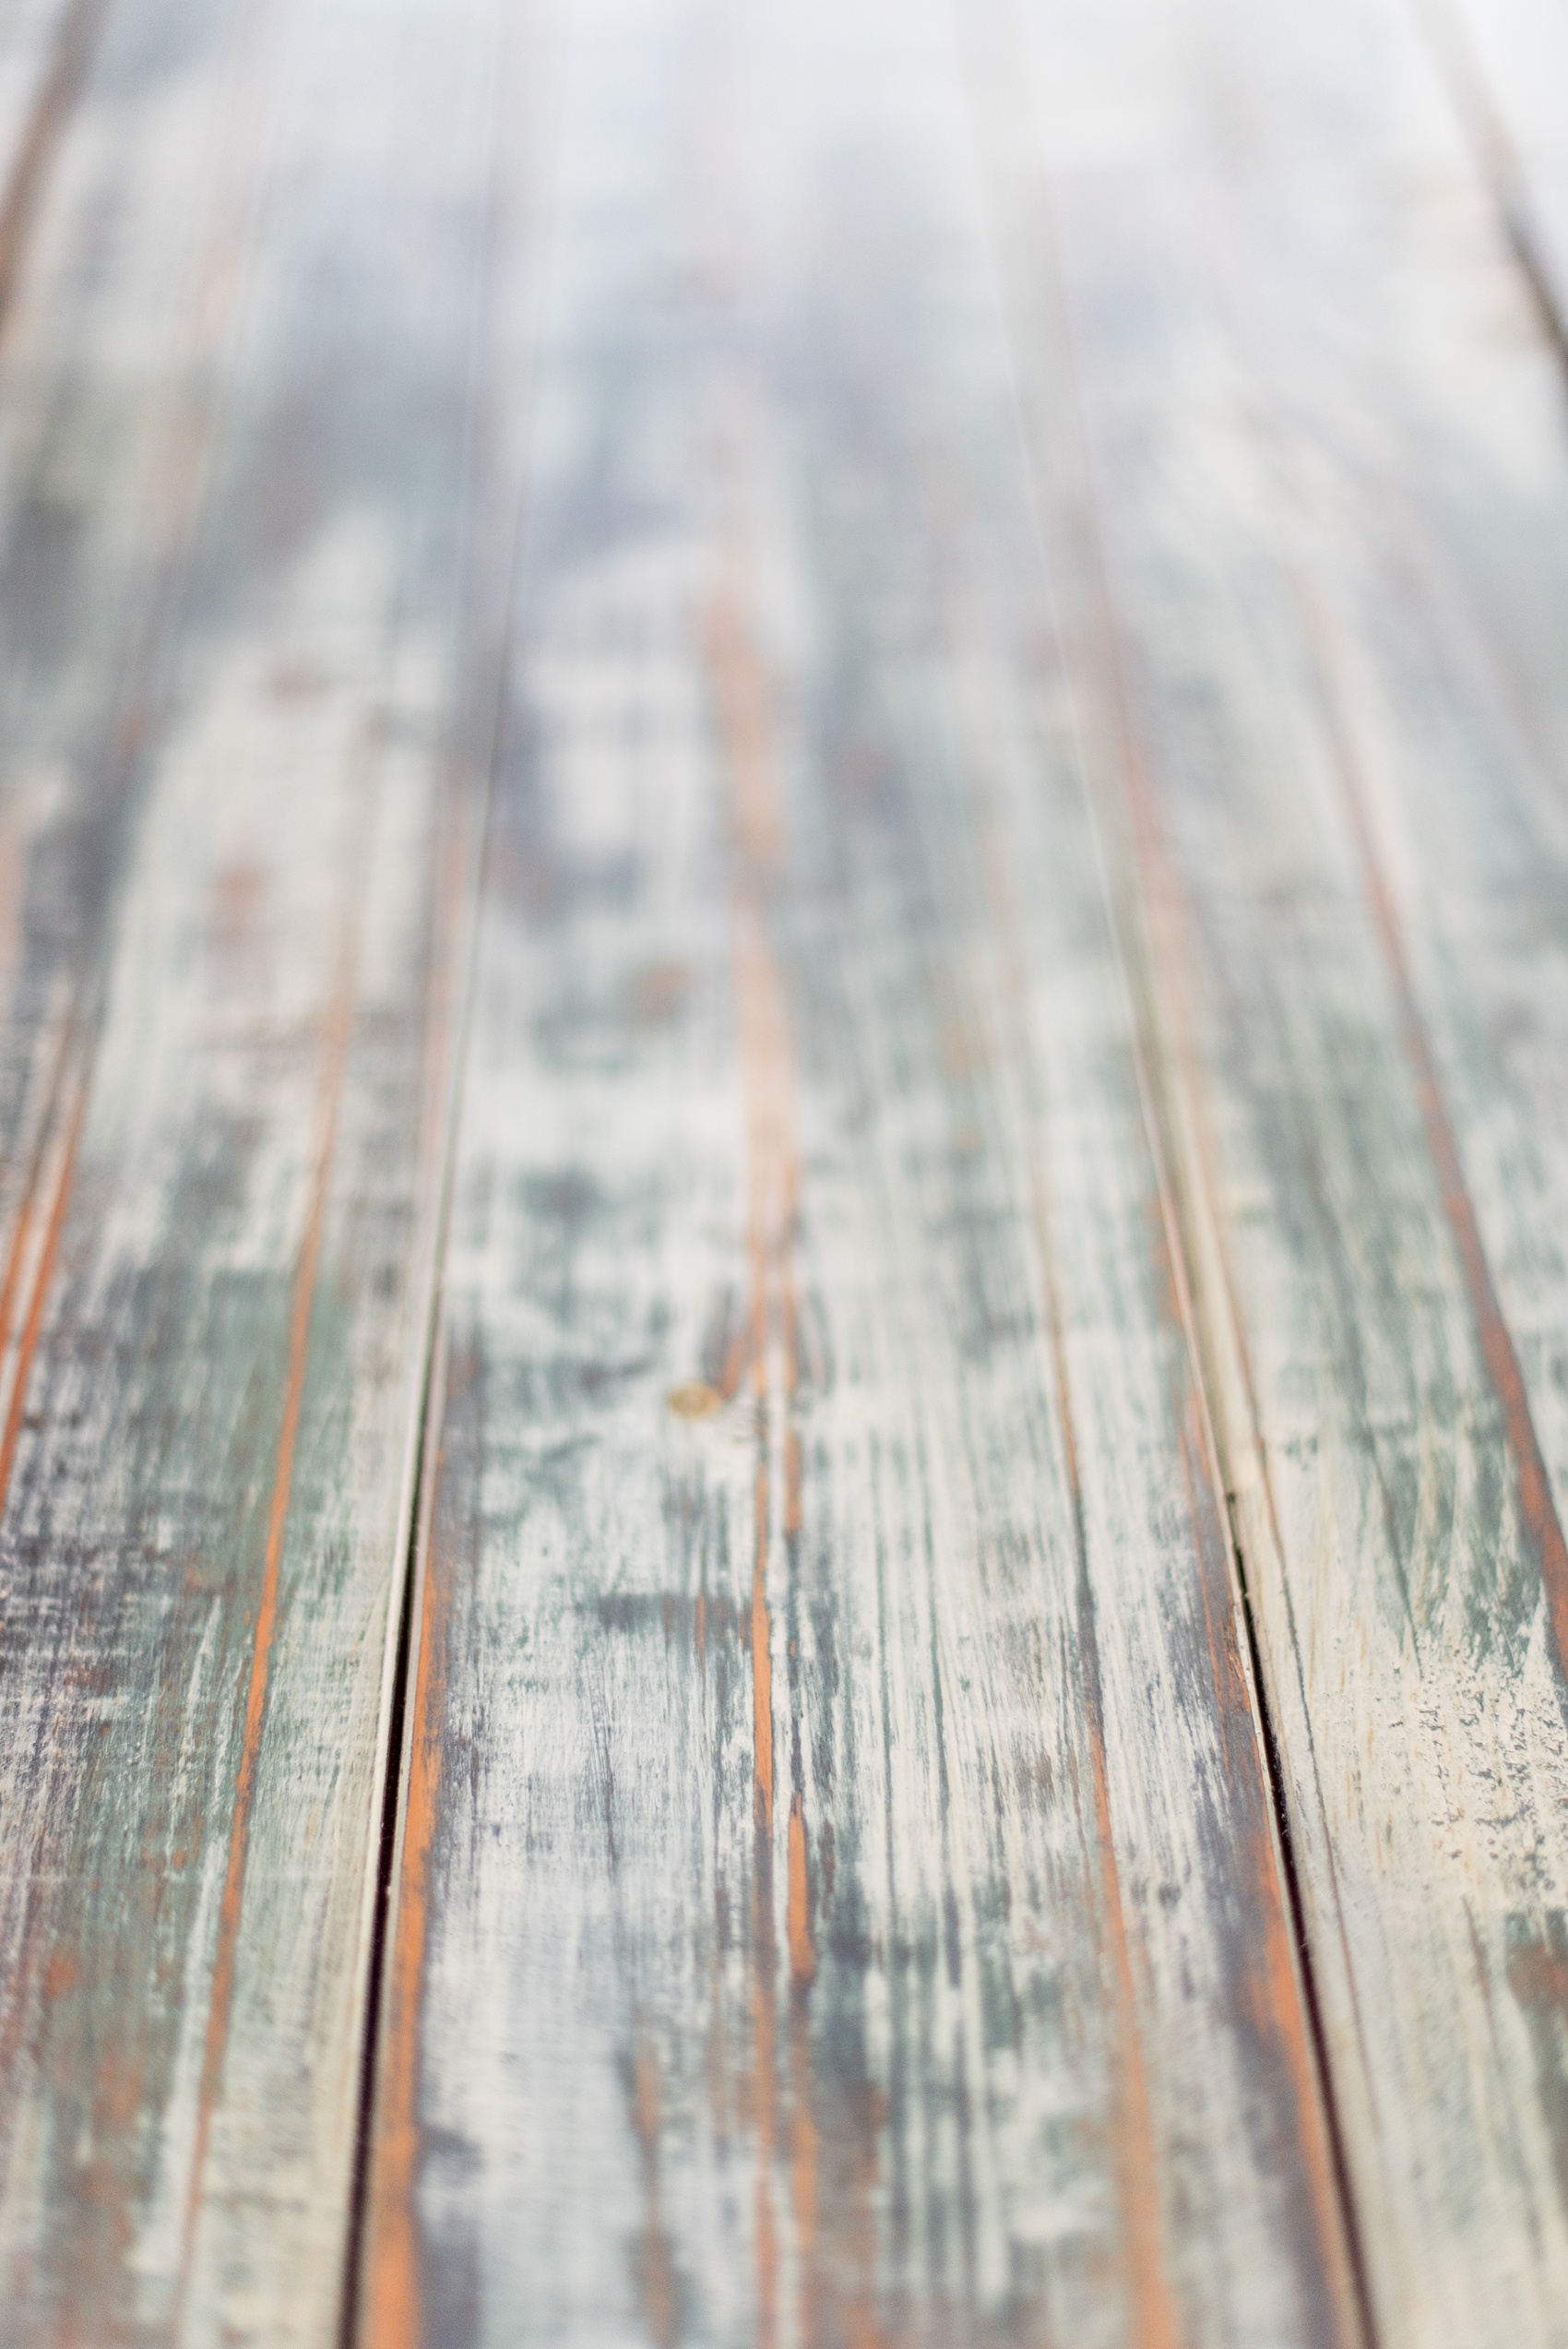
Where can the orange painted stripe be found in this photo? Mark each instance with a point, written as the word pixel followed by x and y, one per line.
pixel 768 1074
pixel 42 1280
pixel 741 695
pixel 769 1078
pixel 803 1955
pixel 15 1258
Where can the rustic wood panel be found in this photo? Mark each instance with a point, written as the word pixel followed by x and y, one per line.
pixel 836 1896
pixel 1300 441
pixel 255 424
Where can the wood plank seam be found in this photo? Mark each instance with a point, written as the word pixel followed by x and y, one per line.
pixel 781 2227
pixel 1538 1507
pixel 406 1646
pixel 1353 757
pixel 1351 732
pixel 459 898
pixel 410 1592
pixel 338 1026
pixel 1132 893
pixel 1311 1996
pixel 379 2299
pixel 127 744
pixel 1160 1066
pixel 1147 904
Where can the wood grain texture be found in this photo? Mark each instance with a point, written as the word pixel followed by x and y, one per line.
pixel 1307 513
pixel 255 492
pixel 836 1898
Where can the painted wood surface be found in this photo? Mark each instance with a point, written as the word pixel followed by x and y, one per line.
pixel 1310 524
pixel 45 46
pixel 1506 63
pixel 255 416
pixel 836 1897
pixel 1015 1074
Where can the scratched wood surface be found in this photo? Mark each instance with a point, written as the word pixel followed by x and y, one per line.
pixel 836 1899
pixel 990 1072
pixel 251 469
pixel 1311 539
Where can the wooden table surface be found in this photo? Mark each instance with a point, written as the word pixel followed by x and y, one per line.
pixel 784 1173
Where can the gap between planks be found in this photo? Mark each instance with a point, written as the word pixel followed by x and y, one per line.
pixel 421 1459
pixel 1128 896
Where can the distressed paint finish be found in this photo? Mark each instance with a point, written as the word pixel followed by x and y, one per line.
pixel 256 475
pixel 976 925
pixel 1308 516
pixel 836 1896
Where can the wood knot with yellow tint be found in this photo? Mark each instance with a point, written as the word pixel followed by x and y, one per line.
pixel 694 1400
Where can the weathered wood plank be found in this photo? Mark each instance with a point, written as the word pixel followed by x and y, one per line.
pixel 45 49
pixel 109 358
pixel 1314 569
pixel 254 477
pixel 837 1895
pixel 1506 63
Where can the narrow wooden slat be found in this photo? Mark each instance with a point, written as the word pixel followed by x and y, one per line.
pixel 105 416
pixel 1313 567
pixel 255 417
pixel 836 1898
